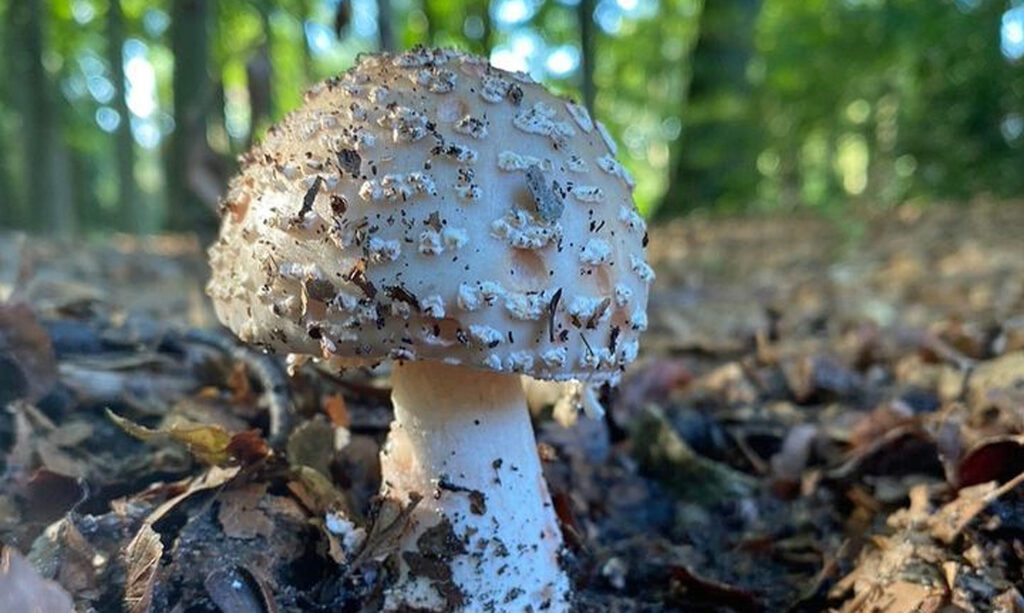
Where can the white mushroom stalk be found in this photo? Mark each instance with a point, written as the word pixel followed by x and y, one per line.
pixel 484 536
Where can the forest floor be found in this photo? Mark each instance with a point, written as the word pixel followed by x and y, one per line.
pixel 823 416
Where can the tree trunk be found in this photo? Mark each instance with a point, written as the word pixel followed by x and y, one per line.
pixel 129 208
pixel 487 37
pixel 259 72
pixel 192 93
pixel 308 65
pixel 385 30
pixel 49 208
pixel 585 15
pixel 10 102
pixel 715 157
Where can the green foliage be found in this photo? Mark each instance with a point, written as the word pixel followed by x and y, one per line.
pixel 730 105
pixel 886 99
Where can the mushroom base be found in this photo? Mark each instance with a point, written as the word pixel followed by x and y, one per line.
pixel 484 536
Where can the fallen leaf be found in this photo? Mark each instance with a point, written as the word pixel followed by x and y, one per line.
pixel 63 554
pixel 240 514
pixel 48 495
pixel 28 368
pixel 897 597
pixel 238 384
pixel 990 377
pixel 391 518
pixel 141 560
pixel 210 444
pixel 248 447
pixel 312 444
pixel 213 478
pixel 207 443
pixel 995 459
pixel 337 411
pixel 950 520
pixel 316 492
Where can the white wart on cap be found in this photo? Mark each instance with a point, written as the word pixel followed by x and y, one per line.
pixel 427 206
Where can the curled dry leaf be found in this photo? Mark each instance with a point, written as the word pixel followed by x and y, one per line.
pixel 142 554
pixel 63 554
pixel 951 519
pixel 995 459
pixel 210 444
pixel 141 561
pixel 391 520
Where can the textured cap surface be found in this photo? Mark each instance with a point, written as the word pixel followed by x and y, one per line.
pixel 426 205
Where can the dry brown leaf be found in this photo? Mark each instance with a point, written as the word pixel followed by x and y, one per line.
pixel 897 597
pixel 214 477
pixel 949 521
pixel 23 589
pixel 141 560
pixel 879 583
pixel 28 368
pixel 989 377
pixel 337 410
pixel 238 383
pixel 142 555
pixel 240 514
pixel 390 522
pixel 63 554
pixel 248 447
pixel 316 492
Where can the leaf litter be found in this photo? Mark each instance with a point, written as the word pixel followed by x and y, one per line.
pixel 818 422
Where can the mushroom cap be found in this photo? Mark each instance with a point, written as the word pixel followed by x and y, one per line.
pixel 428 206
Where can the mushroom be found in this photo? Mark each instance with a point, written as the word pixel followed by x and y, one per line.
pixel 464 223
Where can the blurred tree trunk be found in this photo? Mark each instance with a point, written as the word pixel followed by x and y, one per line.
pixel 49 205
pixel 10 207
pixel 130 213
pixel 10 104
pixel 385 25
pixel 308 67
pixel 259 75
pixel 585 15
pixel 715 157
pixel 259 71
pixel 192 93
pixel 487 36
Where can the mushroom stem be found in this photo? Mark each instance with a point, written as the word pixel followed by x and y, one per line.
pixel 484 536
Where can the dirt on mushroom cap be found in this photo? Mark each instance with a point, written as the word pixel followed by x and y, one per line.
pixel 471 198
